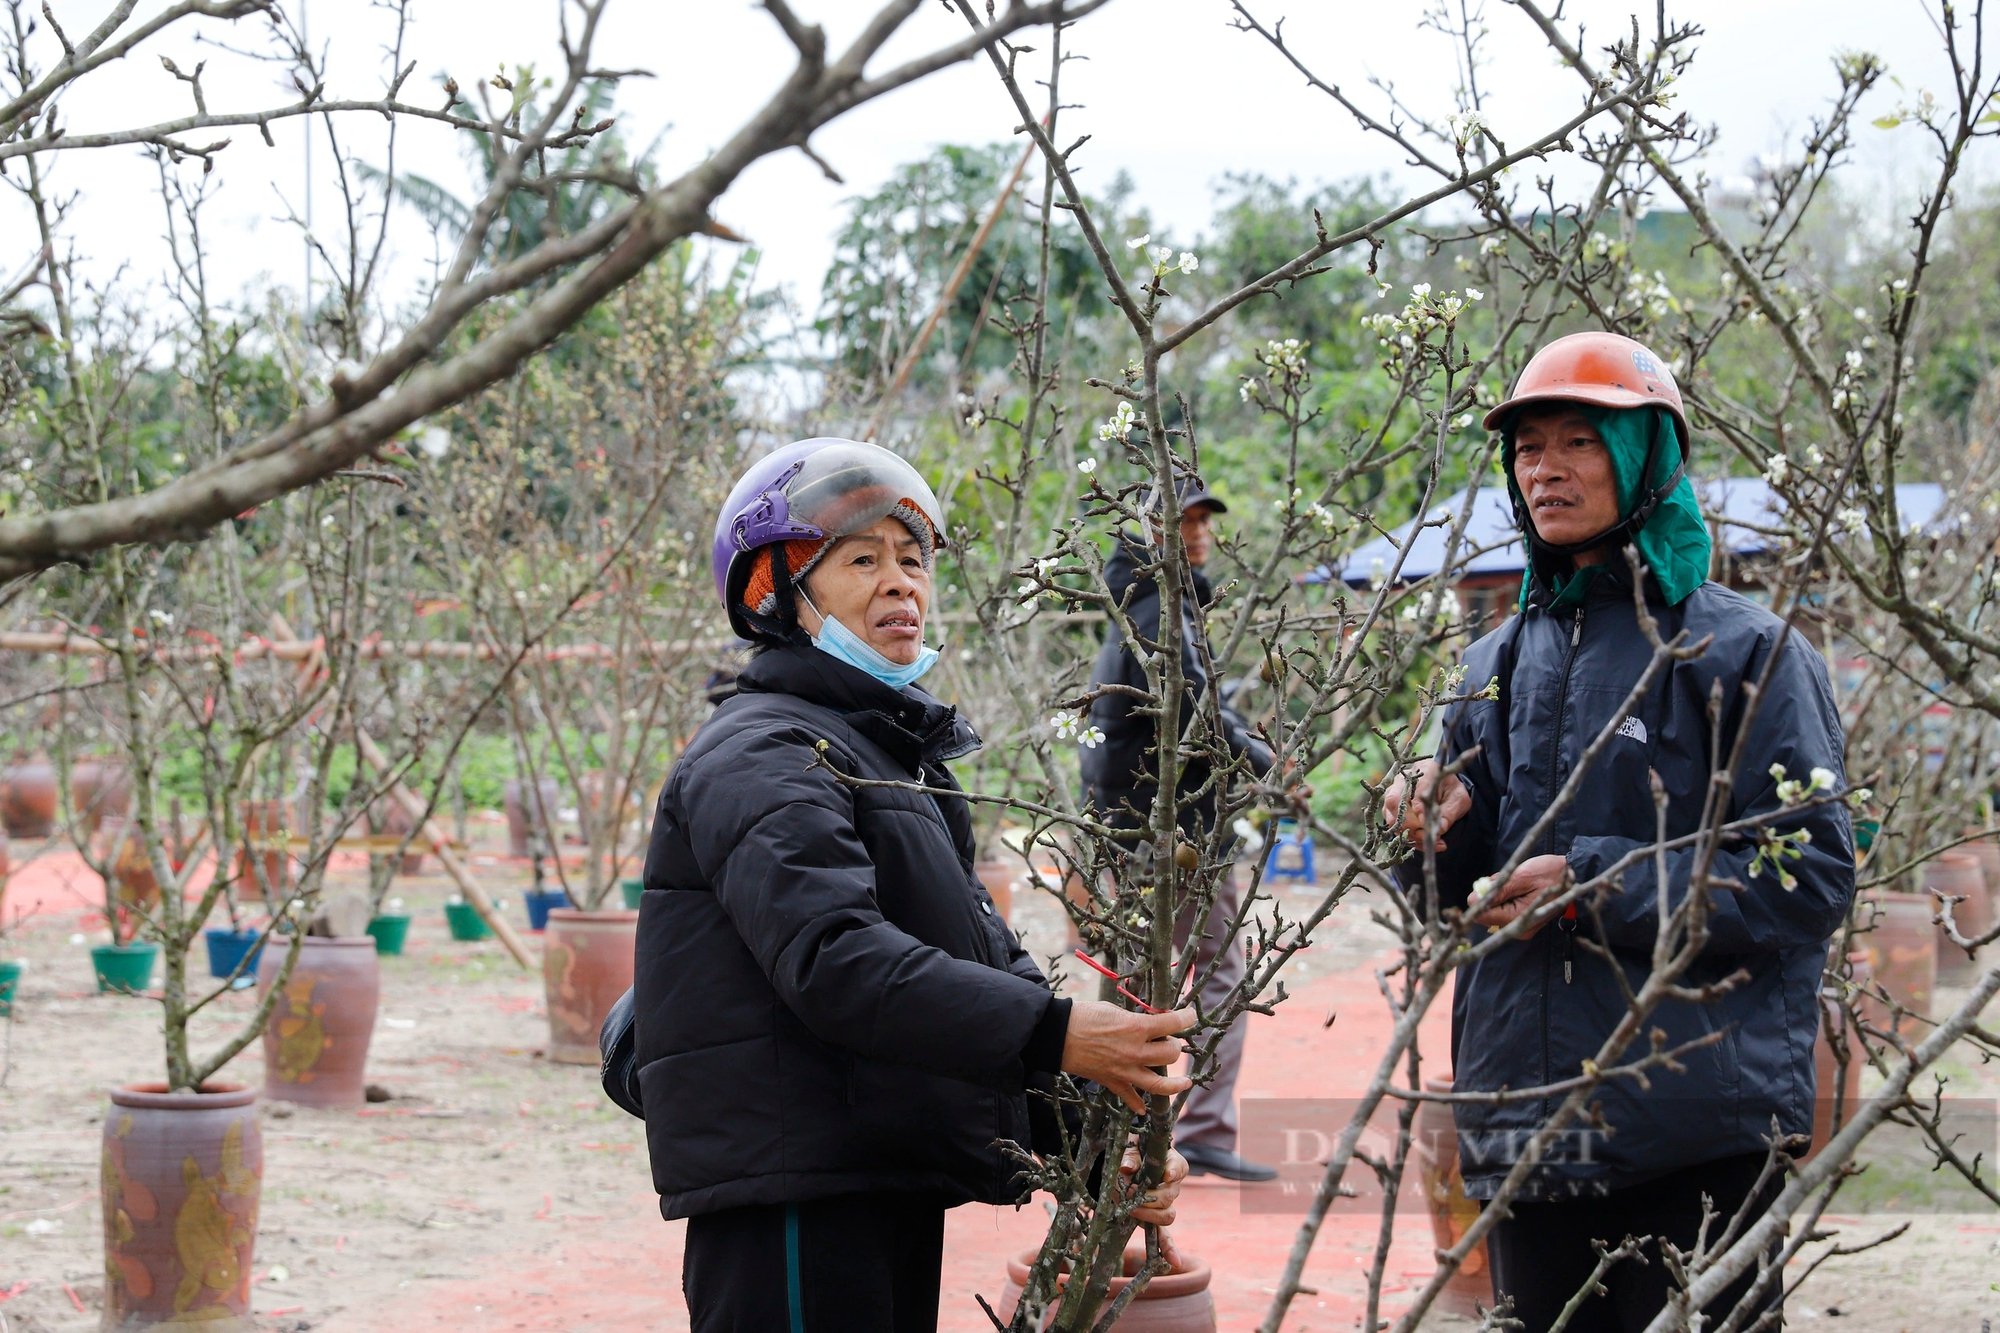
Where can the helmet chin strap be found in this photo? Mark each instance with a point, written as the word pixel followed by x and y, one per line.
pixel 1627 527
pixel 784 625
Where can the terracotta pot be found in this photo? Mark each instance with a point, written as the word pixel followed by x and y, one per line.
pixel 997 878
pixel 100 789
pixel 1957 874
pixel 1434 1153
pixel 265 828
pixel 1838 1087
pixel 28 798
pixel 1176 1302
pixel 1903 948
pixel 1986 851
pixel 316 1042
pixel 130 867
pixel 525 814
pixel 396 823
pixel 586 966
pixel 181 1177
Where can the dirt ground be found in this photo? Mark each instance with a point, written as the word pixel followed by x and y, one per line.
pixel 496 1190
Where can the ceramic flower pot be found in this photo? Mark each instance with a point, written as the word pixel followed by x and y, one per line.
pixel 264 862
pixel 1959 875
pixel 397 823
pixel 316 1041
pixel 586 966
pixel 28 798
pixel 526 812
pixel 182 1174
pixel 1434 1152
pixel 100 789
pixel 1176 1302
pixel 1837 1080
pixel 129 864
pixel 1903 948
pixel 997 878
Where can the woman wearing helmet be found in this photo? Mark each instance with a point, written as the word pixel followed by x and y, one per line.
pixel 835 1028
pixel 1595 440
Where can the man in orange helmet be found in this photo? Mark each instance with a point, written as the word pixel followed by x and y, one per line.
pixel 1595 442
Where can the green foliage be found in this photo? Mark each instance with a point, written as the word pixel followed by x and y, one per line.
pixel 900 244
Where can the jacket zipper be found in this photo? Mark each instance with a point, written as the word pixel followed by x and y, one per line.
pixel 1555 760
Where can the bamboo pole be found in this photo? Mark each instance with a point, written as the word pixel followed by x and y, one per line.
pixel 305 650
pixel 951 286
pixel 442 846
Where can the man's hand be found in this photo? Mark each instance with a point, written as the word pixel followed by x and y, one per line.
pixel 1126 1052
pixel 1531 879
pixel 1405 804
pixel 1157 1207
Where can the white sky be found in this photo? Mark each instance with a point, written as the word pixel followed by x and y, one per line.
pixel 1170 93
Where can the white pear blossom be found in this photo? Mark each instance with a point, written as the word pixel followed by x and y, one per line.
pixel 1090 737
pixel 434 441
pixel 1139 242
pixel 1776 469
pixel 1188 262
pixel 1064 725
pixel 1119 427
pixel 1087 466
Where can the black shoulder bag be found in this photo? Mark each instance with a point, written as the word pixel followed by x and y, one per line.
pixel 618 1044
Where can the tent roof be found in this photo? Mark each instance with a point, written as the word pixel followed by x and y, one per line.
pixel 1740 505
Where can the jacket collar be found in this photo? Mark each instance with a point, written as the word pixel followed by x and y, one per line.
pixel 912 725
pixel 1122 569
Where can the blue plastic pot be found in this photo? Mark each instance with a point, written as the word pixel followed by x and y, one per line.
pixel 540 904
pixel 227 948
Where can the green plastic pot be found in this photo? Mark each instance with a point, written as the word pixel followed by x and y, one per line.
pixel 632 889
pixel 124 969
pixel 390 931
pixel 466 923
pixel 10 973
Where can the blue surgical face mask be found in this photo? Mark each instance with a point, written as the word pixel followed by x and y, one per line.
pixel 836 640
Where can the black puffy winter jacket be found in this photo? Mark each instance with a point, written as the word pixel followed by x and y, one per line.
pixel 826 1000
pixel 1121 773
pixel 1517 1022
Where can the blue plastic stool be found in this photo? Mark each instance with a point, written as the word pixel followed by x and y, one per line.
pixel 1291 854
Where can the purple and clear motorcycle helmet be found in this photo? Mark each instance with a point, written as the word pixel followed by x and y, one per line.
pixel 816 489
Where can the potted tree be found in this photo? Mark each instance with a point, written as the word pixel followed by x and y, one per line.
pixel 593 718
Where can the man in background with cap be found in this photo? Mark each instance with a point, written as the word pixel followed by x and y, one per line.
pixel 1120 781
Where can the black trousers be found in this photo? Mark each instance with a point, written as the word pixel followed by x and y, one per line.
pixel 1542 1255
pixel 854 1261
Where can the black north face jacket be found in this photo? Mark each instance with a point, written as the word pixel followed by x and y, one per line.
pixel 1518 1019
pixel 826 1000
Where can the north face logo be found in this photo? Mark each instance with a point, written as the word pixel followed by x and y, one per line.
pixel 1634 728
